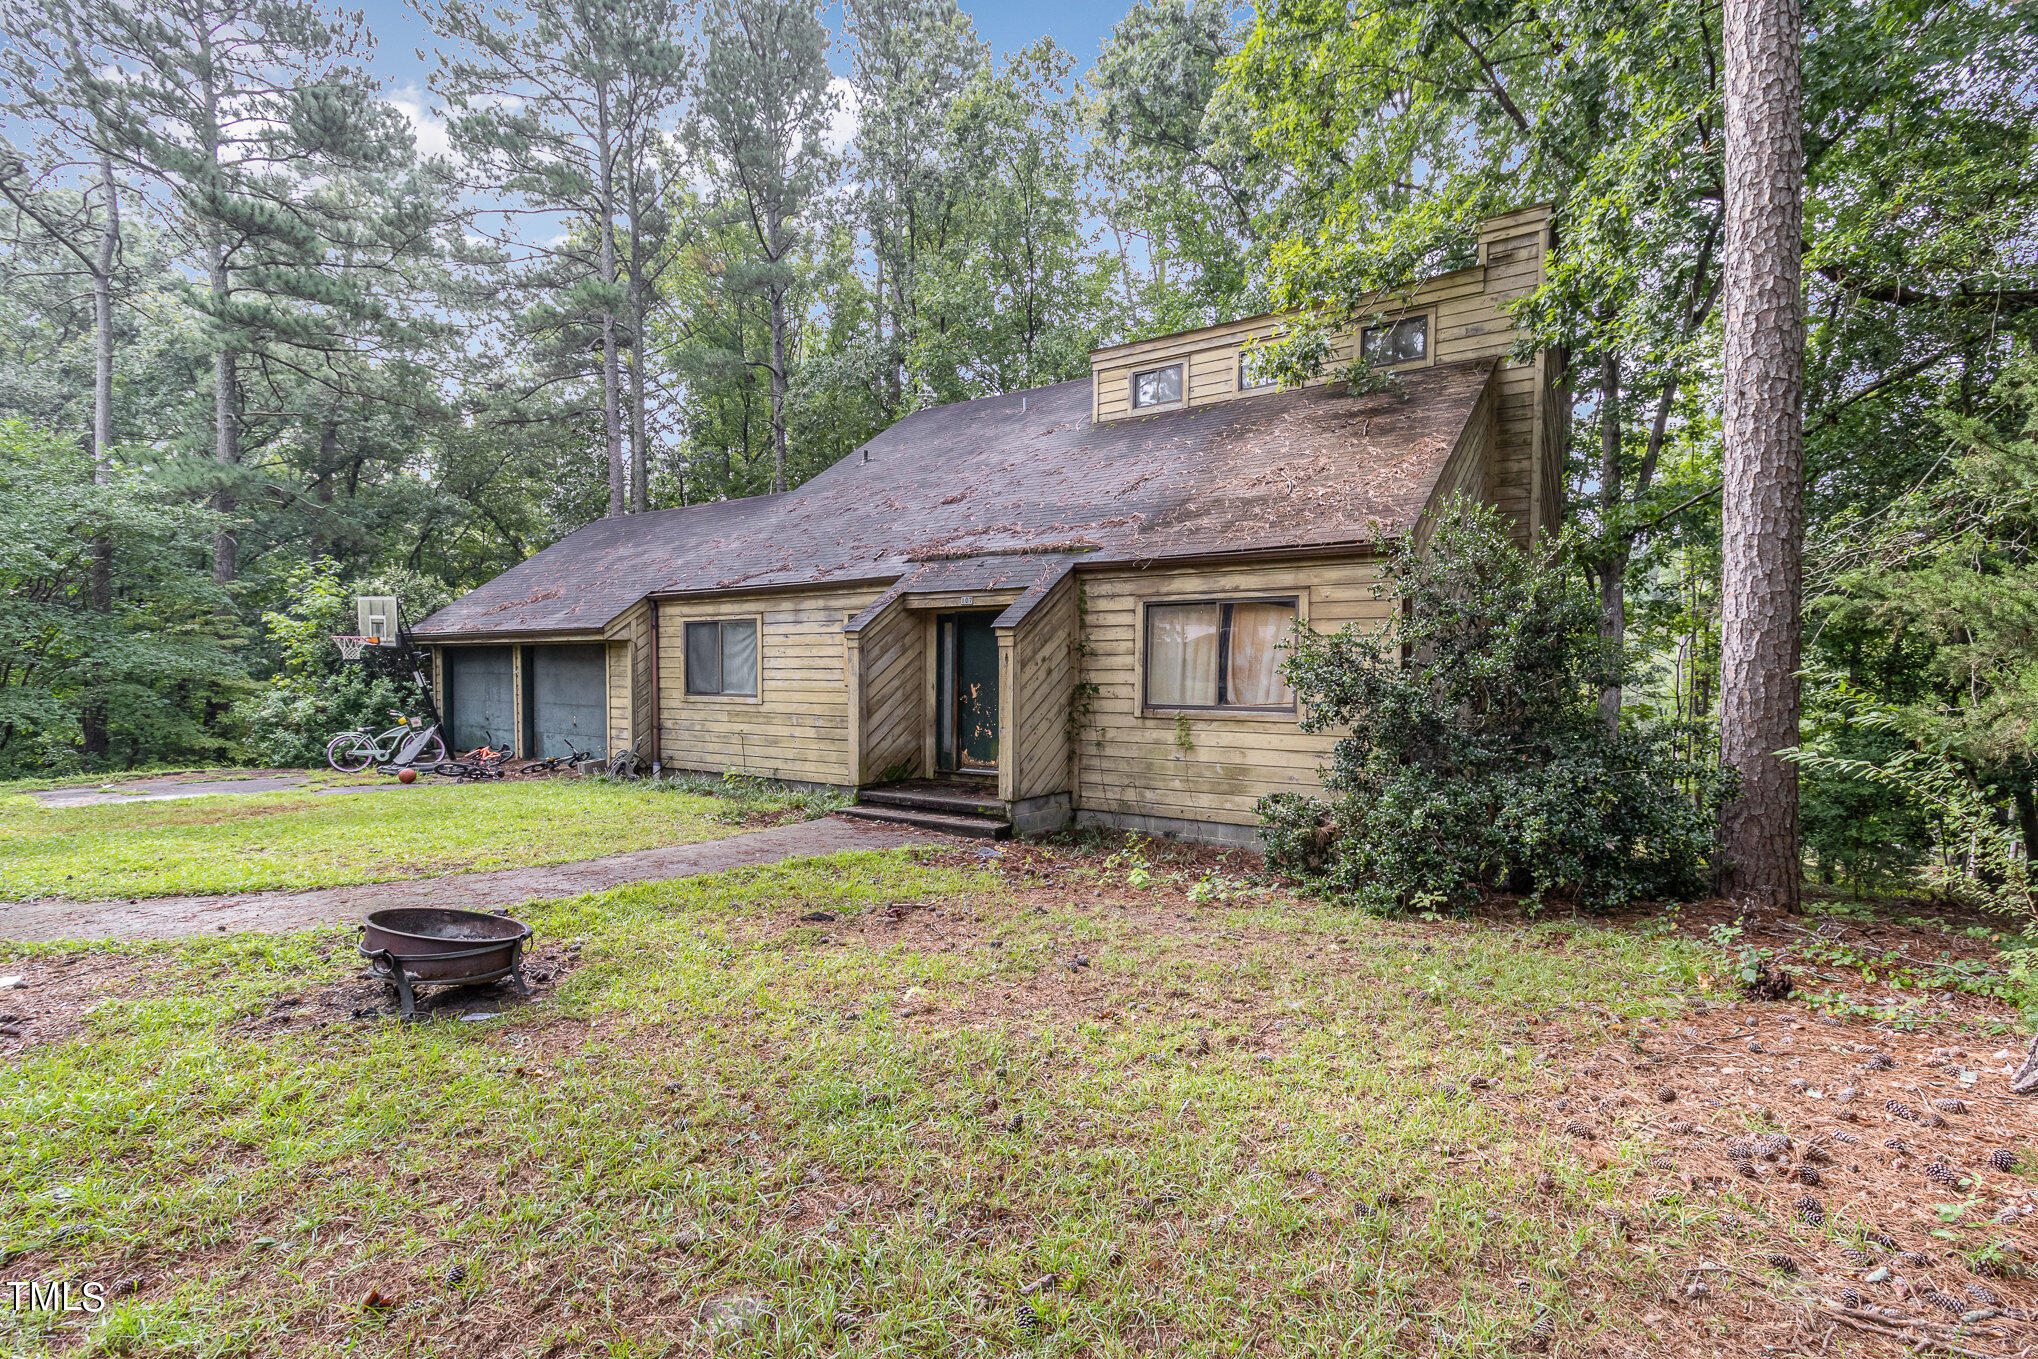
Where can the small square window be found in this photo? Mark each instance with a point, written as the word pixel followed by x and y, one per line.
pixel 1157 386
pixel 1402 341
pixel 721 657
pixel 1255 370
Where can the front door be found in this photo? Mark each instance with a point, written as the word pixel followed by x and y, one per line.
pixel 966 693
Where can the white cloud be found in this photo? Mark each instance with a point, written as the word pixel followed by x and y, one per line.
pixel 425 125
pixel 847 119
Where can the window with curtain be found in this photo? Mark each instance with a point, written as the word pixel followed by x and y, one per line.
pixel 1218 654
pixel 721 657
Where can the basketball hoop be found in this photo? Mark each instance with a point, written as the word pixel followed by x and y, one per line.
pixel 350 646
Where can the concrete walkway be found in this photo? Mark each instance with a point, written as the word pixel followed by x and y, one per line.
pixel 278 912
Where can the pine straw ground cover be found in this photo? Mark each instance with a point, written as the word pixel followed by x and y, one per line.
pixel 1037 1100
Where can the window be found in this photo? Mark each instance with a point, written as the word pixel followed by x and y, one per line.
pixel 1157 386
pixel 1403 341
pixel 1255 370
pixel 721 657
pixel 1218 655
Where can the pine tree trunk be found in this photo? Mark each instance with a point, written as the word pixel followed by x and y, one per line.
pixel 611 374
pixel 92 717
pixel 640 470
pixel 1762 419
pixel 778 389
pixel 226 433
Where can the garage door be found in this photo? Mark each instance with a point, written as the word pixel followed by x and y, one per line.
pixel 569 699
pixel 479 698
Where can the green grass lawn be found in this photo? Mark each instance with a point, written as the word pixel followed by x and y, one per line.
pixel 300 839
pixel 1226 1134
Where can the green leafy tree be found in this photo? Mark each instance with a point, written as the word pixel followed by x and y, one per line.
pixel 1180 172
pixel 756 134
pixel 1475 756
pixel 150 663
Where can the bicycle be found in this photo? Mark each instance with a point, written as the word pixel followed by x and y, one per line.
pixel 409 742
pixel 481 763
pixel 552 764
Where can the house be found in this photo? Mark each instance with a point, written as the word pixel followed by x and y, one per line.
pixel 1053 604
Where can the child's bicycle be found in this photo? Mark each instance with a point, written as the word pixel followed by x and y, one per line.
pixel 552 764
pixel 481 763
pixel 411 741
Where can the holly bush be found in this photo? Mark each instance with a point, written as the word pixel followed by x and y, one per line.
pixel 1474 754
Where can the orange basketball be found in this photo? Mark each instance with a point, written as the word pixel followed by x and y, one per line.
pixel 407 776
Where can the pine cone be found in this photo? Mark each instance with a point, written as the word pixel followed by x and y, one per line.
pixel 1945 1302
pixel 1950 1106
pixel 1746 1167
pixel 1544 1327
pixel 1580 1129
pixel 1740 1149
pixel 1882 1241
pixel 1666 1095
pixel 1940 1173
pixel 1914 1259
pixel 1772 1144
pixel 1985 1295
pixel 1028 1319
pixel 2002 1158
pixel 1881 1061
pixel 1816 1154
pixel 1850 1298
pixel 1811 1212
pixel 1782 1264
pixel 1679 1126
pixel 1931 1120
pixel 1849 1138
pixel 1807 1174
pixel 1900 1109
pixel 1856 1257
pixel 1562 1105
pixel 1897 1145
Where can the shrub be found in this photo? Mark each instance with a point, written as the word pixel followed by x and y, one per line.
pixel 1476 756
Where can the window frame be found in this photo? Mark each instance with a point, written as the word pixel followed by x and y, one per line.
pixel 686 689
pixel 1429 349
pixel 1241 386
pixel 1181 367
pixel 1298 600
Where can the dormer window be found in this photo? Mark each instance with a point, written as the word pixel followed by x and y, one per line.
pixel 1255 370
pixel 1157 387
pixel 1396 342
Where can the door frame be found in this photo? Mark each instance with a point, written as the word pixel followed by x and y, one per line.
pixel 942 716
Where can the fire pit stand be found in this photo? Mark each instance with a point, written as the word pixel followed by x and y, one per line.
pixel 414 946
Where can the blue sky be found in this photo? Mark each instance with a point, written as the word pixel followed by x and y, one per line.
pixel 1079 28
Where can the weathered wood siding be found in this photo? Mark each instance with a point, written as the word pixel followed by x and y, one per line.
pixel 1469 468
pixel 798 726
pixel 891 659
pixel 1132 762
pixel 1467 320
pixel 1043 677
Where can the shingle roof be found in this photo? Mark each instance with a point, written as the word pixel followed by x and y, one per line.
pixel 1027 474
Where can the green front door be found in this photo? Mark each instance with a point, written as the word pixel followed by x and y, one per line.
pixel 966 733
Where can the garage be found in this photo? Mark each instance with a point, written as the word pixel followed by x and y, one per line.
pixel 480 699
pixel 566 700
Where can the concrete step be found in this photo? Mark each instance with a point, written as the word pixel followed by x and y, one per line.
pixel 953 804
pixel 974 827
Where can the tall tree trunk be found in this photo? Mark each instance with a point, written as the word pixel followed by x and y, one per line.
pixel 1613 565
pixel 92 717
pixel 611 374
pixel 226 431
pixel 640 470
pixel 1762 421
pixel 778 389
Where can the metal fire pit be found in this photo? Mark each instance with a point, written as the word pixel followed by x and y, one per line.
pixel 412 946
